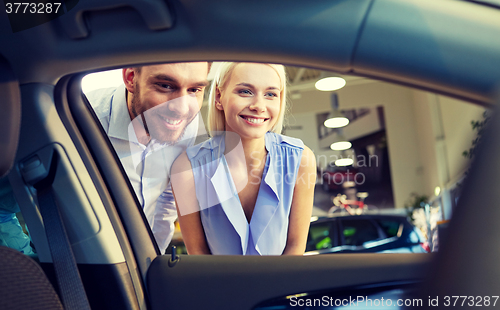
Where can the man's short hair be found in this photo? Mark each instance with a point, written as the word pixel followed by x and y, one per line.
pixel 138 69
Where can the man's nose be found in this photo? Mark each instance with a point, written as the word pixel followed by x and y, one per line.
pixel 181 104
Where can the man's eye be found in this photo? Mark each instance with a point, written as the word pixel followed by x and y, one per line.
pixel 164 86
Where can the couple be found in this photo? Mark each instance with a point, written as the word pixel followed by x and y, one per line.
pixel 232 212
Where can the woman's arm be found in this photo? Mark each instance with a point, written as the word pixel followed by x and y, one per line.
pixel 187 206
pixel 302 203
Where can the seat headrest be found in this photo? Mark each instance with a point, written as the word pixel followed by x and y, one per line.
pixel 10 116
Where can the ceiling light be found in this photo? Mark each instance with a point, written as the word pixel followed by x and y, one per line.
pixel 330 84
pixel 336 122
pixel 336 119
pixel 437 191
pixel 341 145
pixel 344 162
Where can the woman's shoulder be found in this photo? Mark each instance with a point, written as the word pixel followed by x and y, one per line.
pixel 204 148
pixel 306 154
pixel 180 164
pixel 284 140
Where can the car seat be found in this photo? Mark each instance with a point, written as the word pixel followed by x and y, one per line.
pixel 23 284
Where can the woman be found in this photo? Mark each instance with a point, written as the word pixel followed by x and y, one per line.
pixel 254 187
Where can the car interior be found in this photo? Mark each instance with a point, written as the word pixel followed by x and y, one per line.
pixel 94 247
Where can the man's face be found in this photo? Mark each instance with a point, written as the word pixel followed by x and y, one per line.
pixel 166 97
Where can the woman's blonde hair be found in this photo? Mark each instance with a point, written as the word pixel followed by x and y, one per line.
pixel 216 120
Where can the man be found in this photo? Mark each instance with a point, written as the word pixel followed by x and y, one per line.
pixel 151 120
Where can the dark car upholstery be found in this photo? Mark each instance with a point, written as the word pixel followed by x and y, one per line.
pixel 23 284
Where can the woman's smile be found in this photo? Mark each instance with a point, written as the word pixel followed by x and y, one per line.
pixel 254 120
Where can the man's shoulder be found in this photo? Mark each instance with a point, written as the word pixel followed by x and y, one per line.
pixel 100 99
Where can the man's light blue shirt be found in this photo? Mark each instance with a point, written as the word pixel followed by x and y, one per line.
pixel 147 166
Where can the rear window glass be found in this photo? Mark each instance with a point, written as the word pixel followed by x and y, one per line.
pixel 390 228
pixel 322 236
pixel 357 232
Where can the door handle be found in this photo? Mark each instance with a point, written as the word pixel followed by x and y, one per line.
pixel 155 14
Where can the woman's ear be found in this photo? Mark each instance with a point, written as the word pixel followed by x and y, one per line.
pixel 218 96
pixel 128 78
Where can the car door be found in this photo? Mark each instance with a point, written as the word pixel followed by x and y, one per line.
pixel 174 280
pixel 420 43
pixel 171 282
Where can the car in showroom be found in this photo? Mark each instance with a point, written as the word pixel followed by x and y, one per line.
pixel 344 233
pixel 366 233
pixel 54 149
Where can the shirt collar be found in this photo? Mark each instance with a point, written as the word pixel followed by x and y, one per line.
pixel 120 118
pixel 217 144
pixel 267 203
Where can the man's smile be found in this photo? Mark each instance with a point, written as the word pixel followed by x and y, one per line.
pixel 170 121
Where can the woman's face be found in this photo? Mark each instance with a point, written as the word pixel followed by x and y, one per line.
pixel 251 100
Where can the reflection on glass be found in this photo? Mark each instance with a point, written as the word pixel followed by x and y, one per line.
pixel 405 144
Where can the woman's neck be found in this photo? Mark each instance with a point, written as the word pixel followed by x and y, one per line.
pixel 254 149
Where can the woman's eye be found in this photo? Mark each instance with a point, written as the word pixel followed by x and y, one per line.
pixel 245 92
pixel 195 90
pixel 271 94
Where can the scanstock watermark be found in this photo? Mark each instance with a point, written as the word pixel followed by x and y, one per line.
pixel 360 160
pixel 356 301
pixel 334 175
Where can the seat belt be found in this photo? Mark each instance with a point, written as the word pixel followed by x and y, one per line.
pixel 71 288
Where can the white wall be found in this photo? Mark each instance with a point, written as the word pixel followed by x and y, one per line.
pixel 457 117
pixel 445 132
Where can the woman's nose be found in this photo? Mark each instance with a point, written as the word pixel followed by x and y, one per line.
pixel 258 105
